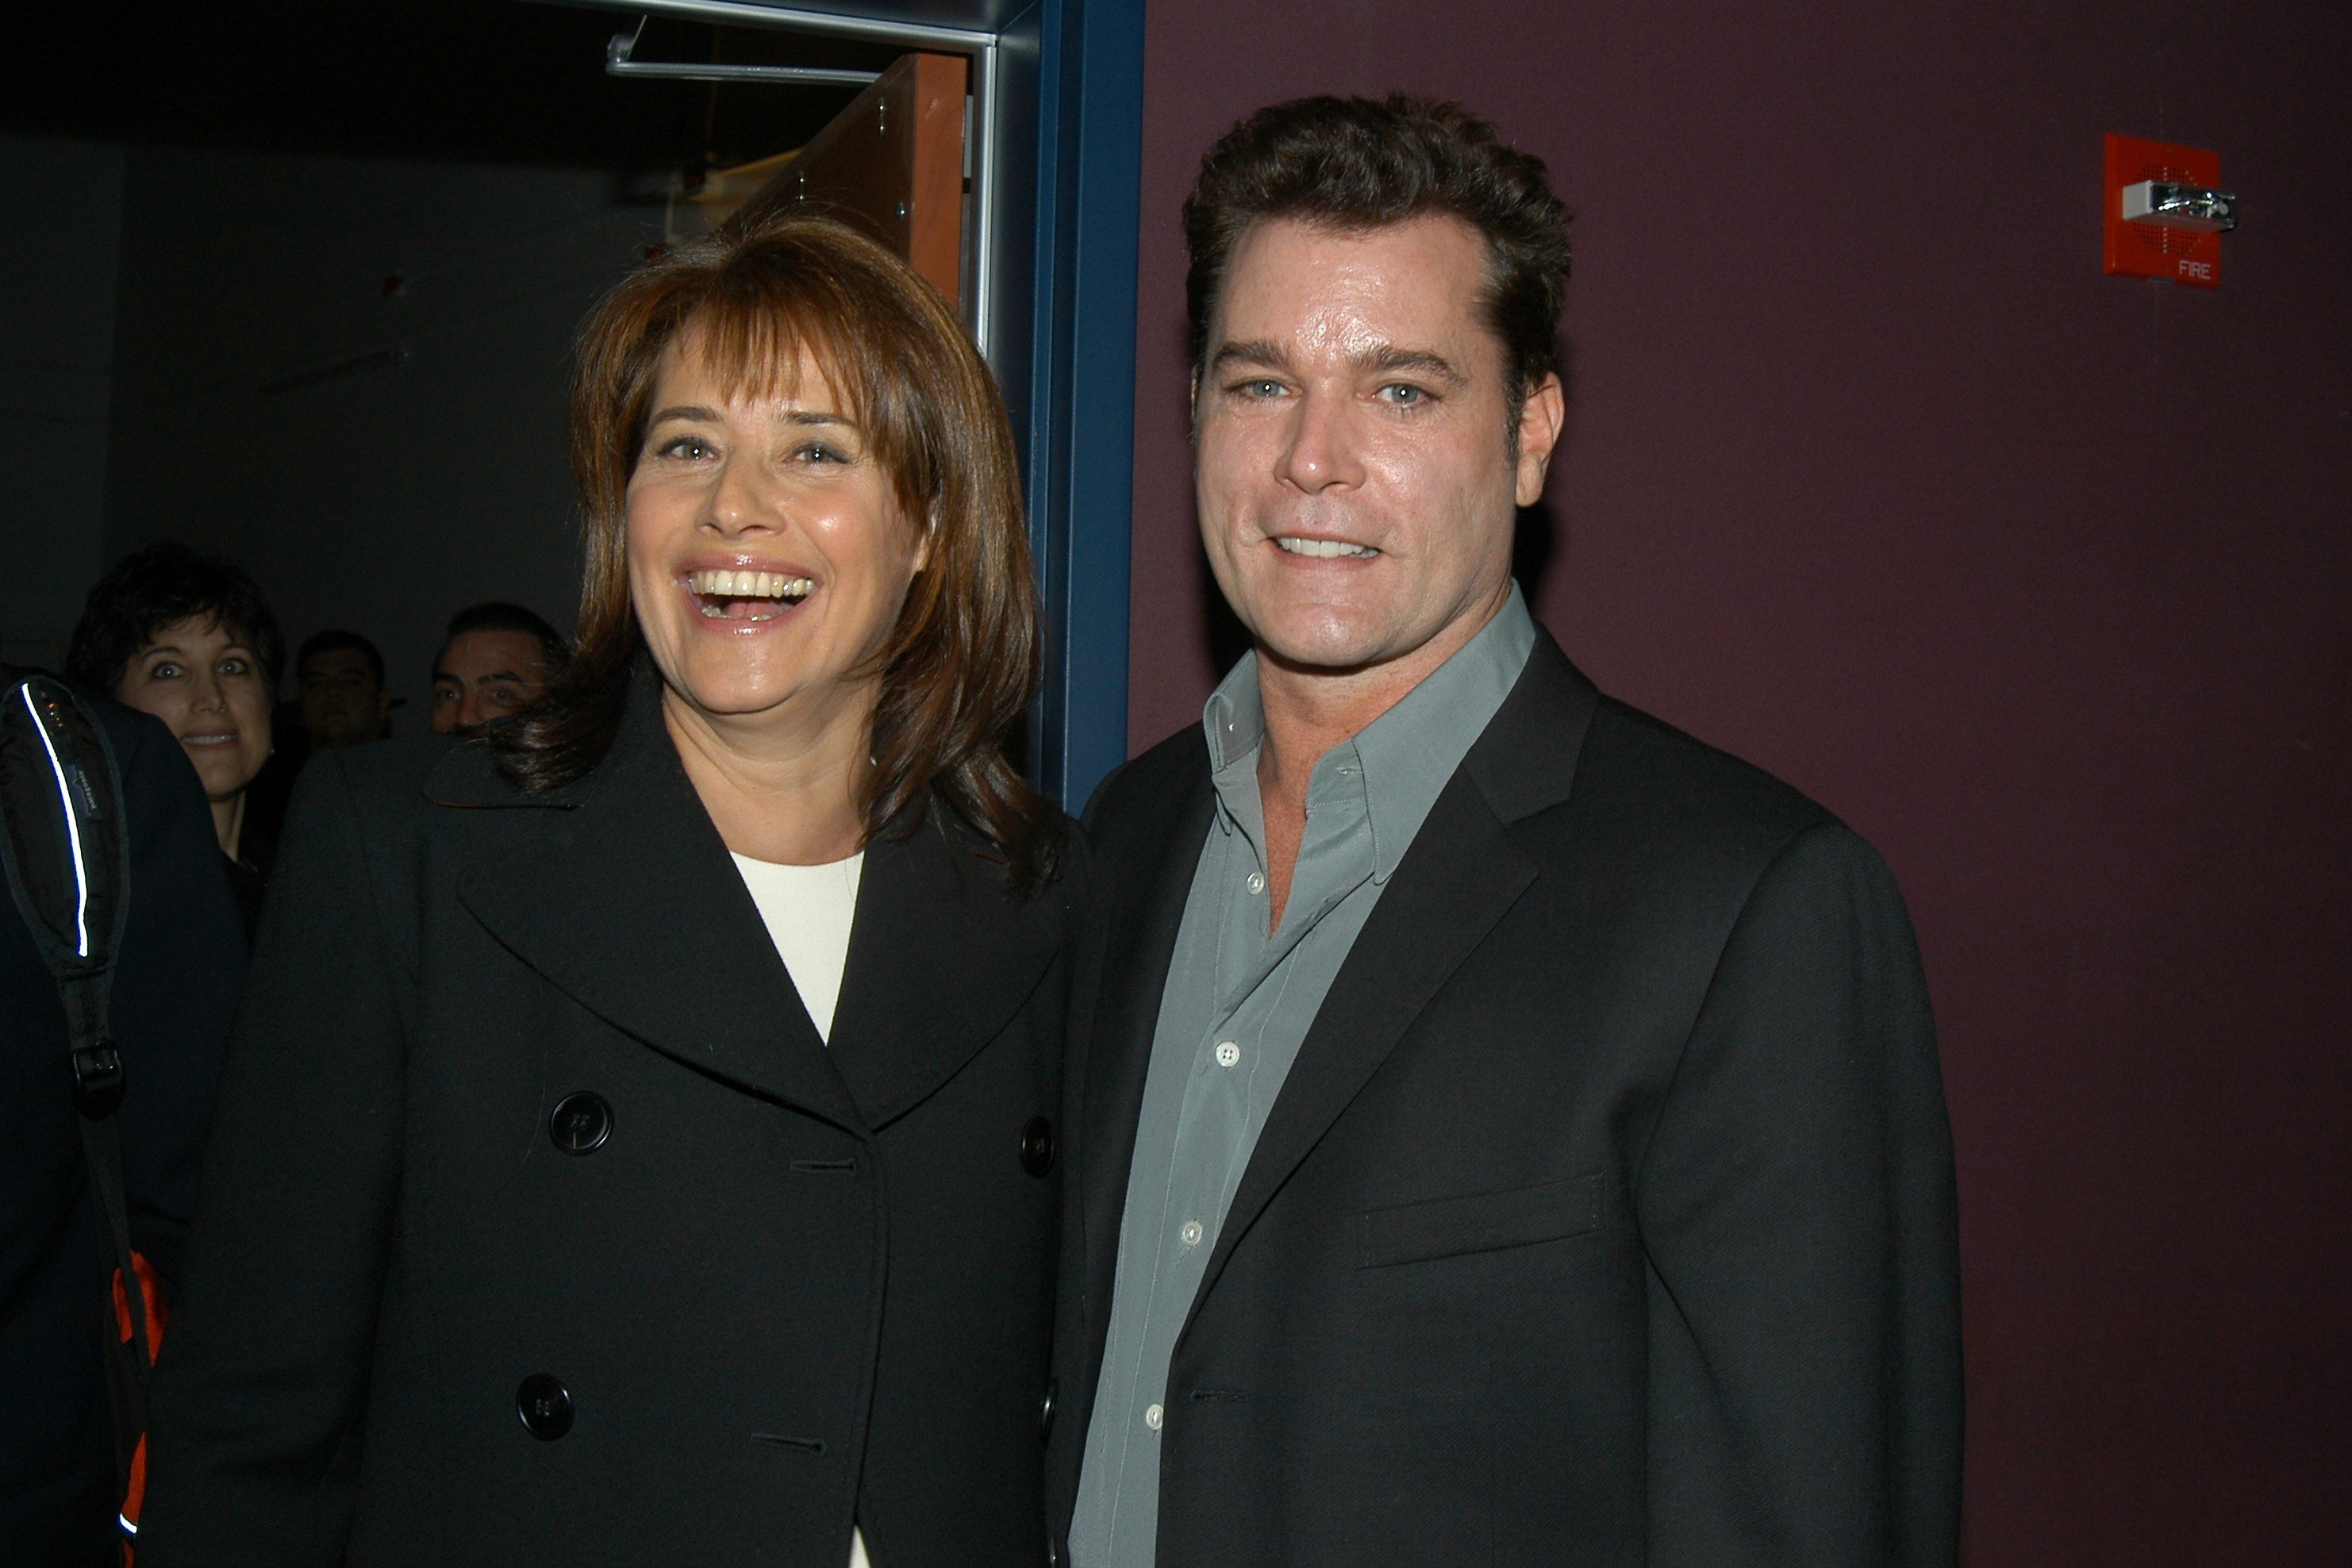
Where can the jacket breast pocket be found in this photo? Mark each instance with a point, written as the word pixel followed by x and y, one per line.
pixel 1482 1222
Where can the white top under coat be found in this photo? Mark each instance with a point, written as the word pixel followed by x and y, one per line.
pixel 807 911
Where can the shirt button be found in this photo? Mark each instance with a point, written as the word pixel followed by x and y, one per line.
pixel 1256 882
pixel 1228 1053
pixel 1151 1416
pixel 1191 1233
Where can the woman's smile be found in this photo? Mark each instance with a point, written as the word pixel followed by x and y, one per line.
pixel 748 594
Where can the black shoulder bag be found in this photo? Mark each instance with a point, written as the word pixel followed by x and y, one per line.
pixel 68 857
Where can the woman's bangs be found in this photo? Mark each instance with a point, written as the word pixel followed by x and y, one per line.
pixel 753 344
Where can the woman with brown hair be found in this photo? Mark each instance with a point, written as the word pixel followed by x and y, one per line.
pixel 636 1146
pixel 188 638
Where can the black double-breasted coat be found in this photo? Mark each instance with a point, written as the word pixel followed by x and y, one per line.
pixel 1606 1214
pixel 540 1224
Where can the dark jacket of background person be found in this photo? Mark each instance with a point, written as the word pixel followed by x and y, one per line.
pixel 766 1223
pixel 248 874
pixel 175 985
pixel 1606 1216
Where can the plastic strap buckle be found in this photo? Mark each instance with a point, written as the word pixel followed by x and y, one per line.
pixel 98 1078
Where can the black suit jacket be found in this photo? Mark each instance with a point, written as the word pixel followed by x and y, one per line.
pixel 177 971
pixel 1606 1216
pixel 791 1284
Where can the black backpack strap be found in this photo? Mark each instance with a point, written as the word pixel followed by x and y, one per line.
pixel 68 853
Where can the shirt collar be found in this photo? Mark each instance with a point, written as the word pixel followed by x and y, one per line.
pixel 1235 719
pixel 1403 758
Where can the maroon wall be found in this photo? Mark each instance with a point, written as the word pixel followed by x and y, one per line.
pixel 2043 579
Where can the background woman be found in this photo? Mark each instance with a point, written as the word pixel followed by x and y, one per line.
pixel 635 1148
pixel 189 638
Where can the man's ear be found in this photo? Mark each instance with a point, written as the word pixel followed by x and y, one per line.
pixel 1541 417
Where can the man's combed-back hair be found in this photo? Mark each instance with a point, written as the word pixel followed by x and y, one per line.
pixel 957 668
pixel 1361 164
pixel 155 587
pixel 500 615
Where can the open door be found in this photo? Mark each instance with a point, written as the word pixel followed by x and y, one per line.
pixel 891 164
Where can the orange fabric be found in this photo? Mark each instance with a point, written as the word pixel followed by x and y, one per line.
pixel 151 1289
pixel 151 1286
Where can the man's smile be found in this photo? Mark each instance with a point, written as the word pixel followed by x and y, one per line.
pixel 1323 549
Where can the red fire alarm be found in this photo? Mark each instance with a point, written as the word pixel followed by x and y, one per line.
pixel 2166 212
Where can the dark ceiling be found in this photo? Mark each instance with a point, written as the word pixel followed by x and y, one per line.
pixel 497 80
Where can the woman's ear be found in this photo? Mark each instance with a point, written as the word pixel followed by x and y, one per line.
pixel 930 530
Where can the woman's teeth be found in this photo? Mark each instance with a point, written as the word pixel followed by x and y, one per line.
pixel 725 595
pixel 751 585
pixel 1323 547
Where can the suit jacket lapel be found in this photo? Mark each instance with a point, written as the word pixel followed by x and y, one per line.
pixel 1461 876
pixel 629 904
pixel 1144 907
pixel 940 959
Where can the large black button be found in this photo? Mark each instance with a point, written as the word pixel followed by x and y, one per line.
pixel 1046 1409
pixel 545 1407
pixel 1037 1146
pixel 581 1124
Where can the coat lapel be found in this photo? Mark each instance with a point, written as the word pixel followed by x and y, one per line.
pixel 629 904
pixel 1461 876
pixel 1143 906
pixel 940 959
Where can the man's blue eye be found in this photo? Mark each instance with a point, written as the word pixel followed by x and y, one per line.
pixel 1402 394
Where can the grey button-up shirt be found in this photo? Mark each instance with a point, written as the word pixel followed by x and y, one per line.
pixel 1238 1003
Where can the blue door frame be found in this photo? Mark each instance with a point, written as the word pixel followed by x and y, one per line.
pixel 1081 412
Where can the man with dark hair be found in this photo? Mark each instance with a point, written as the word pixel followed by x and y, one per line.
pixel 1507 1130
pixel 340 677
pixel 495 660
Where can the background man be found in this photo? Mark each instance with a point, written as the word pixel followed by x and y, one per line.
pixel 339 676
pixel 1508 1130
pixel 497 659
